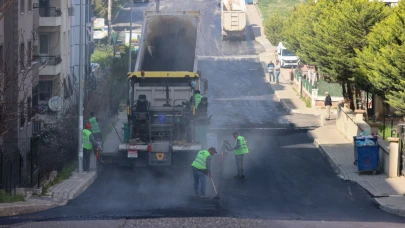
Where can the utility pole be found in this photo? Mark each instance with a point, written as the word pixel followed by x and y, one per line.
pixel 109 22
pixel 130 39
pixel 80 105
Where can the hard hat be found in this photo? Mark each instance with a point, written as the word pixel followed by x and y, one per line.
pixel 88 126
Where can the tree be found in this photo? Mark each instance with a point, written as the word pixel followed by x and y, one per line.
pixel 339 29
pixel 273 28
pixel 298 31
pixel 16 82
pixel 382 62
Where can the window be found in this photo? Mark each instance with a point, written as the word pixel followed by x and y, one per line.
pixel 44 44
pixel 45 90
pixel 29 5
pixel 22 6
pixel 66 92
pixel 29 109
pixel 22 56
pixel 70 85
pixel 29 53
pixel 22 114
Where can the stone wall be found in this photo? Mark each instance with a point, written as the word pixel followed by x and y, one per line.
pixel 351 123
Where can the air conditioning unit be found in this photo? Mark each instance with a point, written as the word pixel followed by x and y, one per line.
pixel 71 10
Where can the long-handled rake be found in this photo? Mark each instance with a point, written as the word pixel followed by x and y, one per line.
pixel 215 189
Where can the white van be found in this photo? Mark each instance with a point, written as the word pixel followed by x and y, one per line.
pixel 287 58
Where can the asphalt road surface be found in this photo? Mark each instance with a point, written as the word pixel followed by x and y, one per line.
pixel 288 182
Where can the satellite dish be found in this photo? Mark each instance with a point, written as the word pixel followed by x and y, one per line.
pixel 95 68
pixel 55 103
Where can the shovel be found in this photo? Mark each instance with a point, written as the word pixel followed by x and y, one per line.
pixel 215 189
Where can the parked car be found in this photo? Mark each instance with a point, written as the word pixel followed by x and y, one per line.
pixel 286 57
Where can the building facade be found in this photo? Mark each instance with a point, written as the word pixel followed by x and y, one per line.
pixel 19 74
pixel 53 53
pixel 21 23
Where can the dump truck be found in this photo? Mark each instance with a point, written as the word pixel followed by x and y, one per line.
pixel 165 124
pixel 233 18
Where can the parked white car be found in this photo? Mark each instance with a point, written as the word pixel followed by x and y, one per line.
pixel 286 57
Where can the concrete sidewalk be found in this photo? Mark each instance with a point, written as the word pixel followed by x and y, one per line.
pixel 60 194
pixel 388 193
pixel 57 195
pixel 284 91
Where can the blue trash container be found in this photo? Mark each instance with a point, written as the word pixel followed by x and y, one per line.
pixel 368 157
pixel 355 140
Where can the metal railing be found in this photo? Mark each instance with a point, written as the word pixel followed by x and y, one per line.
pixel 42 109
pixel 11 170
pixel 48 60
pixel 49 12
pixel 307 85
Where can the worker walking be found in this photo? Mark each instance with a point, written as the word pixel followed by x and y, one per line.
pixel 95 128
pixel 201 167
pixel 88 143
pixel 240 150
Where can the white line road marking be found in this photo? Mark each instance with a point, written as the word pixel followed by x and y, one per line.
pixel 229 57
pixel 248 128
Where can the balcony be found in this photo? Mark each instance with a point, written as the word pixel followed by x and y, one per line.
pixel 49 65
pixel 50 16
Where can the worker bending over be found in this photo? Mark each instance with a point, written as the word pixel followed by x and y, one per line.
pixel 201 167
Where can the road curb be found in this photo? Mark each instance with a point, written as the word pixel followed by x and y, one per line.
pixel 382 202
pixel 59 198
pixel 18 208
pixel 383 205
pixel 83 185
pixel 321 148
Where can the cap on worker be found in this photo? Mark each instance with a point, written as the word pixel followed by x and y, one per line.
pixel 213 148
pixel 87 126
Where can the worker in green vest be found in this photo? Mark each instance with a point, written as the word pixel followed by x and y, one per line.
pixel 88 143
pixel 95 128
pixel 202 167
pixel 240 150
pixel 197 98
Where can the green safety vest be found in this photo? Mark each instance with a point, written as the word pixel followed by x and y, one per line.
pixel 200 162
pixel 243 147
pixel 86 140
pixel 94 125
pixel 197 99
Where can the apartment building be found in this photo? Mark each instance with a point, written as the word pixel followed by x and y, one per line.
pixel 53 53
pixel 18 35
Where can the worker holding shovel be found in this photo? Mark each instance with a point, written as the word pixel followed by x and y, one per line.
pixel 201 167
